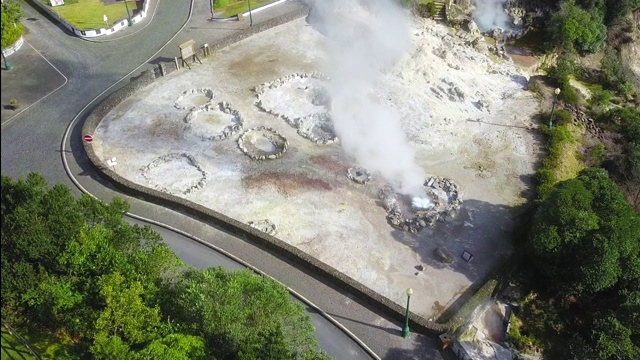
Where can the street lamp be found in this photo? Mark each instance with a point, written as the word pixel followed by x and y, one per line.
pixel 7 66
pixel 250 17
pixel 129 21
pixel 553 107
pixel 405 331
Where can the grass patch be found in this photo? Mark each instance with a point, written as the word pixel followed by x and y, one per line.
pixel 238 7
pixel 12 348
pixel 569 163
pixel 563 161
pixel 48 346
pixel 88 14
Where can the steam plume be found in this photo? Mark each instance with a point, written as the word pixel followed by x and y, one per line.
pixel 365 39
pixel 490 14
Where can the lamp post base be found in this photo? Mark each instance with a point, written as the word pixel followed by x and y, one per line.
pixel 405 332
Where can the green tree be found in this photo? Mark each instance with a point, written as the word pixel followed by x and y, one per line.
pixel 174 347
pixel 242 316
pixel 575 28
pixel 76 268
pixel 585 236
pixel 56 249
pixel 106 347
pixel 612 340
pixel 126 315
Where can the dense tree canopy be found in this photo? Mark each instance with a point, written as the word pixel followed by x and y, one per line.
pixel 576 28
pixel 74 268
pixel 585 244
pixel 585 236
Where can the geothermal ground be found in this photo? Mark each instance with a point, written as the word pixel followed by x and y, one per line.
pixel 247 134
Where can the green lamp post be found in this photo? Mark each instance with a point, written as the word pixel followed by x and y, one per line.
pixel 405 330
pixel 7 66
pixel 553 107
pixel 250 16
pixel 129 21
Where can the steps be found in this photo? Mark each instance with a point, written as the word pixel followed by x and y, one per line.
pixel 441 14
pixel 440 9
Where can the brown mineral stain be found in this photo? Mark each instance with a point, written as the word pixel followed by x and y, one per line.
pixel 285 184
pixel 329 163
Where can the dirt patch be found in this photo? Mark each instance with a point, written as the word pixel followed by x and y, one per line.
pixel 285 184
pixel 329 163
pixel 164 128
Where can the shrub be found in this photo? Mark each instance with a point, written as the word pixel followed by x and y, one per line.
pixel 427 10
pixel 600 98
pixel 534 87
pixel 563 117
pixel 568 93
pixel 12 29
pixel 432 9
pixel 617 74
pixel 597 154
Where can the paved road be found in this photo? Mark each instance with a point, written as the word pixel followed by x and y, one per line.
pixel 33 141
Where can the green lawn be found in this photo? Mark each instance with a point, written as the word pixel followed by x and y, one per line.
pixel 570 164
pixel 242 6
pixel 12 348
pixel 49 347
pixel 88 14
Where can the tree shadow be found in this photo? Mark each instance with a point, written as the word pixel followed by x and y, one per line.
pixel 482 230
pixel 48 16
pixel 79 154
pixel 421 347
pixel 161 59
pixel 396 331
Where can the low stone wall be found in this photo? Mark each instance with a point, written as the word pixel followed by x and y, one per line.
pixel 9 50
pixel 233 226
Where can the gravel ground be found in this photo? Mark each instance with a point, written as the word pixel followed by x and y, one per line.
pixel 467 117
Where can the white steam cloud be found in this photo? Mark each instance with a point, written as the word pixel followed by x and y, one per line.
pixel 490 14
pixel 365 39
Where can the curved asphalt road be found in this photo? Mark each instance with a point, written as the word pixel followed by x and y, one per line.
pixel 31 141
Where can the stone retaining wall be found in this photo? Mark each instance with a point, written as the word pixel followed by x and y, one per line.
pixel 9 50
pixel 233 226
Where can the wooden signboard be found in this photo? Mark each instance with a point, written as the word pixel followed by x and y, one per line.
pixel 186 51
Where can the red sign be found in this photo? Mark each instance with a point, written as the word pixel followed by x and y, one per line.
pixel 88 138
